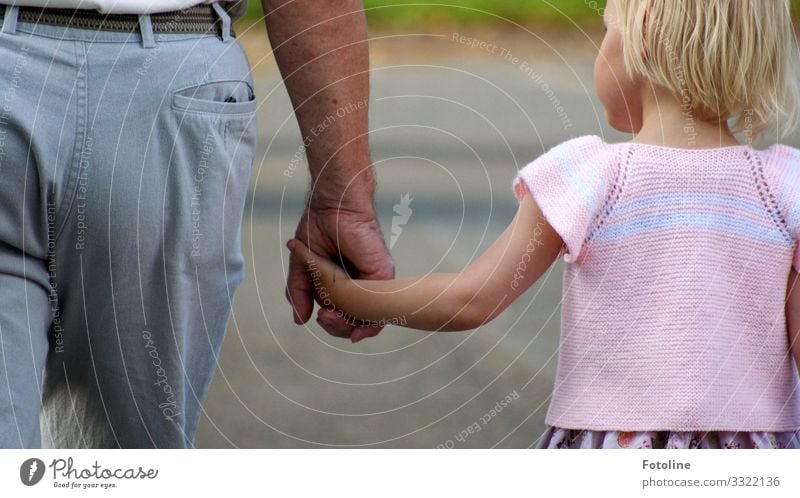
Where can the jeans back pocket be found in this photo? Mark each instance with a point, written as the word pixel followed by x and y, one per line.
pixel 216 97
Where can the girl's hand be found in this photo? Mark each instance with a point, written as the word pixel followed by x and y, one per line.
pixel 323 272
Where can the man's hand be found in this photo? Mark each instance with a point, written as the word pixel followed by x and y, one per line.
pixel 324 273
pixel 321 49
pixel 360 248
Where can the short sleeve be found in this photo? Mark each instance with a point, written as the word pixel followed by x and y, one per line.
pixel 783 174
pixel 570 184
pixel 793 202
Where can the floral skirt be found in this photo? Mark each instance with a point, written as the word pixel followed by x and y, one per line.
pixel 558 438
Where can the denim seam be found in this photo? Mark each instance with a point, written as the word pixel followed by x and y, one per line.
pixel 65 209
pixel 216 114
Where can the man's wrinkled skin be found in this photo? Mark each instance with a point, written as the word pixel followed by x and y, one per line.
pixel 321 50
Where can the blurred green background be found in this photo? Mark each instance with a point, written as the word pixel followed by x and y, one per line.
pixel 414 12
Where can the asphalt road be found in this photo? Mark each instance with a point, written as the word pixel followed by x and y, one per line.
pixel 450 125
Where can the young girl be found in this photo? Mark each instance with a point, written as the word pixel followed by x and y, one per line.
pixel 679 314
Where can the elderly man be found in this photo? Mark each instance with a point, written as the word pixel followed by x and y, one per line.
pixel 127 134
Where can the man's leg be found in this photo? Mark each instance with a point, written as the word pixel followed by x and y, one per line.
pixel 37 137
pixel 24 317
pixel 150 255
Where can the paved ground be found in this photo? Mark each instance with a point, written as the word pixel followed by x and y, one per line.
pixel 451 125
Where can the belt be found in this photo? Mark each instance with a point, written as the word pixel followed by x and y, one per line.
pixel 197 19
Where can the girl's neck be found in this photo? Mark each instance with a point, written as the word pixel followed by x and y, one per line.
pixel 665 122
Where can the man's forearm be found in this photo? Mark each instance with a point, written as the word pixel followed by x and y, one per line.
pixel 321 49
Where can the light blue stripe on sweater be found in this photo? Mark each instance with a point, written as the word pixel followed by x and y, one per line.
pixel 683 198
pixel 689 219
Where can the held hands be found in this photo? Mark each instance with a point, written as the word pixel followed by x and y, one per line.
pixel 322 271
pixel 328 280
pixel 335 234
pixel 339 222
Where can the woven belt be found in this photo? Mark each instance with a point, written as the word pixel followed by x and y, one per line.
pixel 197 19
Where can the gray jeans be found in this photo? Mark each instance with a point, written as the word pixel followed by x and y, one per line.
pixel 123 177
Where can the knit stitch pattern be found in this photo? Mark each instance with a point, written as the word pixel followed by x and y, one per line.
pixel 673 312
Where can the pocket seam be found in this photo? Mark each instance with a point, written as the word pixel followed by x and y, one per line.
pixel 205 107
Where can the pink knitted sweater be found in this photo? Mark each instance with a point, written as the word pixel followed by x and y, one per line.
pixel 673 313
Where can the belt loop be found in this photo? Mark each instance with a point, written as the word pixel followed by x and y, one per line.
pixel 226 21
pixel 10 19
pixel 146 29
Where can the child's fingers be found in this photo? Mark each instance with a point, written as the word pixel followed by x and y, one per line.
pixel 311 261
pixel 301 252
pixel 299 290
pixel 362 332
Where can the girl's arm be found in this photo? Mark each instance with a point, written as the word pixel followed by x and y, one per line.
pixel 793 316
pixel 453 301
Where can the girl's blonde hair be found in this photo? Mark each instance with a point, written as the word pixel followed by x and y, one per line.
pixel 723 59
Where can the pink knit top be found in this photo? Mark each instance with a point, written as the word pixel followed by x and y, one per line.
pixel 673 312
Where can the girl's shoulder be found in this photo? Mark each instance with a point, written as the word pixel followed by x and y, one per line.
pixel 587 145
pixel 588 153
pixel 570 183
pixel 586 156
pixel 784 156
pixel 593 152
pixel 780 170
pixel 780 165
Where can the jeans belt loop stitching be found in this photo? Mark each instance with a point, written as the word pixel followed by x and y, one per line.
pixel 146 30
pixel 10 19
pixel 225 19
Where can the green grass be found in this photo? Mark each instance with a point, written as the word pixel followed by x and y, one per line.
pixel 483 11
pixel 432 12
